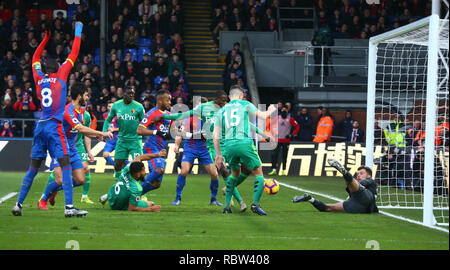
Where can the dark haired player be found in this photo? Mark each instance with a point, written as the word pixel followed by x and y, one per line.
pixel 158 132
pixel 73 117
pixel 129 114
pixel 362 192
pixel 51 88
pixel 126 193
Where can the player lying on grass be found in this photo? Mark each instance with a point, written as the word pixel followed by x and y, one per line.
pixel 232 125
pixel 362 192
pixel 126 193
pixel 72 125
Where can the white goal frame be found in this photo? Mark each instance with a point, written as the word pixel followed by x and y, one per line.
pixel 433 24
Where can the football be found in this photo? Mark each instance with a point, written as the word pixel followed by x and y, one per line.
pixel 271 186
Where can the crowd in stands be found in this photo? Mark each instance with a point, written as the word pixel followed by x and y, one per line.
pixel 358 20
pixel 144 50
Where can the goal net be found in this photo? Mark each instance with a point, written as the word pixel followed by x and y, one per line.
pixel 400 111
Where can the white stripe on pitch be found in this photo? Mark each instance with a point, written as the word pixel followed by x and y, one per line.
pixel 381 212
pixel 10 195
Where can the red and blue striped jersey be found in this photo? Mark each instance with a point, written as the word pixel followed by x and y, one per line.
pixel 51 89
pixel 72 119
pixel 192 125
pixel 154 142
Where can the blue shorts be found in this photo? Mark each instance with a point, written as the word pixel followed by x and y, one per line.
pixel 75 161
pixel 203 156
pixel 49 135
pixel 156 162
pixel 110 145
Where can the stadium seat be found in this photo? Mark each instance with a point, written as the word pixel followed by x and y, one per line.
pixel 97 60
pixel 167 41
pixel 32 14
pixel 92 14
pixel 70 14
pixel 141 53
pixel 133 23
pixel 55 12
pixel 48 12
pixel 97 51
pixel 6 14
pixel 157 81
pixel 133 52
pixel 145 42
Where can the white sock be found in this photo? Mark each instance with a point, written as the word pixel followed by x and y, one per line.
pixel 69 206
pixel 312 200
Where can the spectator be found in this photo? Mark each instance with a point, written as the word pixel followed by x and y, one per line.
pixel 253 25
pixel 24 103
pixel 131 38
pixel 179 93
pixel 322 38
pixel 305 122
pixel 346 125
pixel 160 68
pixel 324 126
pixel 174 26
pixel 221 26
pixel 355 135
pixel 161 53
pixel 284 128
pixel 6 130
pixel 175 63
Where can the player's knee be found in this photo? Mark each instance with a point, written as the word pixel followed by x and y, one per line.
pixel 184 172
pixel 118 164
pixel 245 170
pixel 105 154
pixel 156 184
pixel 58 178
pixel 36 163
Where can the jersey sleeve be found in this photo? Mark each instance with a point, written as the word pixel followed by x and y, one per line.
pixel 135 196
pixel 251 108
pixel 70 117
pixel 148 118
pixel 87 119
pixel 36 60
pixel 65 68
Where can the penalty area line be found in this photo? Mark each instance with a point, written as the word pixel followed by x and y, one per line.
pixel 8 196
pixel 381 212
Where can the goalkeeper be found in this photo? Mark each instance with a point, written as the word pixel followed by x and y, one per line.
pixel 362 192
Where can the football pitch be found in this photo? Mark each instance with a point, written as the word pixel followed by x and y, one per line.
pixel 195 225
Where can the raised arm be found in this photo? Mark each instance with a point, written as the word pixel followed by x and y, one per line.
pixel 65 68
pixel 36 60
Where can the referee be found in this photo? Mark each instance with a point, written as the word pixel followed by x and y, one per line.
pixel 362 192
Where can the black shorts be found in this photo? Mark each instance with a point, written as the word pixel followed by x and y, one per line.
pixel 360 202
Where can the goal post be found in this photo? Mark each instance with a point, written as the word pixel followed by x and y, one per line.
pixel 407 108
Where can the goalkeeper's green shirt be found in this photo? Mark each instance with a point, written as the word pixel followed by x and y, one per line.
pixel 126 190
pixel 128 118
pixel 87 123
pixel 235 120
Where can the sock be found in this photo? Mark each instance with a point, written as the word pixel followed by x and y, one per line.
pixel 51 188
pixel 258 189
pixel 214 187
pixel 147 185
pixel 67 185
pixel 319 205
pixel 241 178
pixel 230 190
pixel 50 179
pixel 26 184
pixel 86 184
pixel 109 160
pixel 181 182
pixel 236 193
pixel 117 174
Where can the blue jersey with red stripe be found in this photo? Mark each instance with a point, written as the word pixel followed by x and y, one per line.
pixel 191 125
pixel 114 124
pixel 155 143
pixel 72 119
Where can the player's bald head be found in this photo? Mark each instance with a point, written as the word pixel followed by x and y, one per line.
pixel 51 66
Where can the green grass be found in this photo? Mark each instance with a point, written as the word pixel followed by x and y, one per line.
pixel 195 225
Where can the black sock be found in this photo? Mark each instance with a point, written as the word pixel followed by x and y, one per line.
pixel 319 205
